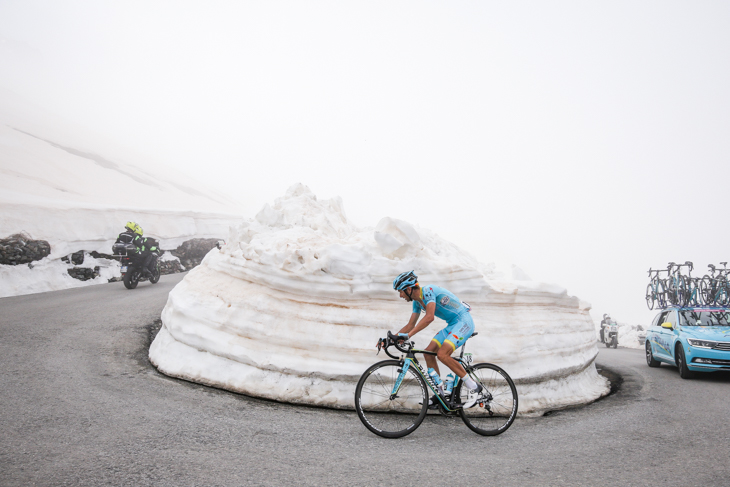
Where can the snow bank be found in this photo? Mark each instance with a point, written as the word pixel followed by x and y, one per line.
pixel 629 336
pixel 52 275
pixel 70 228
pixel 291 308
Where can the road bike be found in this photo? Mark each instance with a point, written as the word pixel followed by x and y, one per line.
pixel 692 292
pixel 655 291
pixel 715 288
pixel 675 285
pixel 392 396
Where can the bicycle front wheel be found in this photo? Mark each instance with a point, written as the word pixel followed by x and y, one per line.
pixel 385 410
pixel 497 411
pixel 706 291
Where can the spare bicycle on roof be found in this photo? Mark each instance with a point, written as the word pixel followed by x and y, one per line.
pixel 672 287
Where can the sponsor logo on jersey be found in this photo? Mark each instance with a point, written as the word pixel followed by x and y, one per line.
pixel 444 301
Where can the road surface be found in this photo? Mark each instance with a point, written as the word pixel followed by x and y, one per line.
pixel 81 405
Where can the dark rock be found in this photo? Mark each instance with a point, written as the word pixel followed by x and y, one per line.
pixel 22 249
pixel 84 273
pixel 192 252
pixel 170 267
pixel 77 257
pixel 99 255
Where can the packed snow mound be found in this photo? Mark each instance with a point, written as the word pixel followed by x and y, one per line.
pixel 292 307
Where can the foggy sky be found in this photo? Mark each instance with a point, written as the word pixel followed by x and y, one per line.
pixel 583 142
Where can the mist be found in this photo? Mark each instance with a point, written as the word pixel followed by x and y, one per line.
pixel 583 142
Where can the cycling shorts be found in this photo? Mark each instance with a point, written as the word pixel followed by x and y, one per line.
pixel 457 333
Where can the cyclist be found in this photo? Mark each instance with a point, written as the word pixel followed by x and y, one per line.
pixel 439 302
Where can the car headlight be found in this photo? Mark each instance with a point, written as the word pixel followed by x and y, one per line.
pixel 701 343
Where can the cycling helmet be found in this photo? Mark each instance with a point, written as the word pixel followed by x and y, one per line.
pixel 133 227
pixel 405 280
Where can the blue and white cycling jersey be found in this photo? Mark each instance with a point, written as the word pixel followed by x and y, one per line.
pixel 452 310
pixel 448 307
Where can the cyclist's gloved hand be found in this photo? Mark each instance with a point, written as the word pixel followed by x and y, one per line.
pixel 403 336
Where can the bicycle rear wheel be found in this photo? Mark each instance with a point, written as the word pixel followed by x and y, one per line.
pixel 649 296
pixel 491 416
pixel 384 413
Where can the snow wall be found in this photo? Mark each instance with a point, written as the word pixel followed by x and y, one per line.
pixel 291 309
pixel 69 228
pixel 77 200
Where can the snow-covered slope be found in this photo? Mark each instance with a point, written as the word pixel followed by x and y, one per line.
pixel 77 199
pixel 291 309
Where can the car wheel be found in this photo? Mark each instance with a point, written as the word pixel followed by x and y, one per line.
pixel 650 360
pixel 684 372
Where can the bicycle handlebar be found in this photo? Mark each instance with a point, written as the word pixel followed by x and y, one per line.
pixel 395 339
pixel 392 341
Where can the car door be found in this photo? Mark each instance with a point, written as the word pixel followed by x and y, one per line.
pixel 653 334
pixel 666 335
pixel 658 338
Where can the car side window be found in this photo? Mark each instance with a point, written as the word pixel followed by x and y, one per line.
pixel 657 321
pixel 672 318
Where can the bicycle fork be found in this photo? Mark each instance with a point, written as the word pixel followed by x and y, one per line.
pixel 404 368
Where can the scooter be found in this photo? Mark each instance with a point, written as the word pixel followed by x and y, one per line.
pixel 610 334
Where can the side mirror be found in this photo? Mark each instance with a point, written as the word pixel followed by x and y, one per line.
pixel 667 325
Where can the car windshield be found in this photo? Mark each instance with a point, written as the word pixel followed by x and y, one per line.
pixel 705 317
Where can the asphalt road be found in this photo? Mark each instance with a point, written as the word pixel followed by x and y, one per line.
pixel 81 405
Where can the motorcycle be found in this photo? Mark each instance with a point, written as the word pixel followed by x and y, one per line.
pixel 132 267
pixel 610 334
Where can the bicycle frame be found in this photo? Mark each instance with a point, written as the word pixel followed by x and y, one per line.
pixel 717 283
pixel 411 360
pixel 675 284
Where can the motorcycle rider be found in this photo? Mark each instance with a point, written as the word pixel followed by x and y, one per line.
pixel 604 323
pixel 146 247
pixel 131 234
